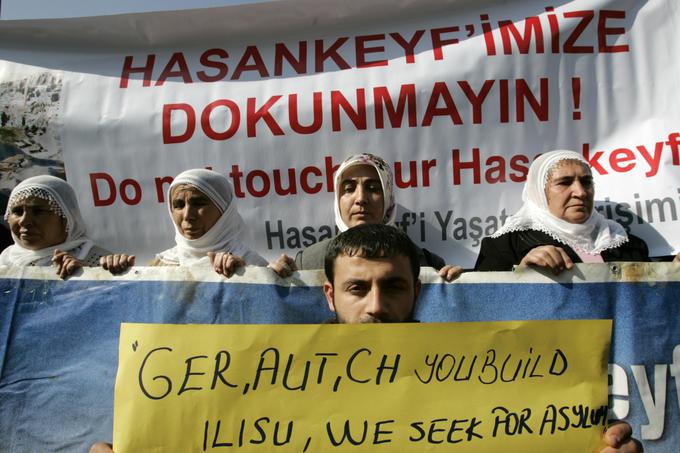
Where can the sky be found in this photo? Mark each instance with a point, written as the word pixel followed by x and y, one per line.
pixel 57 9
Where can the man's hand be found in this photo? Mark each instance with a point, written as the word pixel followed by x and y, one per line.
pixel 101 447
pixel 66 264
pixel 450 272
pixel 549 257
pixel 284 266
pixel 618 439
pixel 225 263
pixel 117 263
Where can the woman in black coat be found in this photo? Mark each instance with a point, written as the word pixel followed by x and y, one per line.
pixel 557 225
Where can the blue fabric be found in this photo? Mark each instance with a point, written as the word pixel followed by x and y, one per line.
pixel 59 339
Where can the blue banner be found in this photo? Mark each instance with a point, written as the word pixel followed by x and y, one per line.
pixel 59 339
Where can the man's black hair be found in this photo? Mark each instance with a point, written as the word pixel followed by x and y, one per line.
pixel 372 241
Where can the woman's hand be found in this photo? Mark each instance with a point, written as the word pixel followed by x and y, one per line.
pixel 225 263
pixel 66 264
pixel 450 272
pixel 117 263
pixel 284 266
pixel 549 257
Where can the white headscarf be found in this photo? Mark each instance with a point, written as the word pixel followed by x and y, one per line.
pixel 62 201
pixel 593 236
pixel 386 180
pixel 227 233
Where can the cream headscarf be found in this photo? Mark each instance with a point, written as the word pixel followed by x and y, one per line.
pixel 385 175
pixel 225 236
pixel 593 236
pixel 63 202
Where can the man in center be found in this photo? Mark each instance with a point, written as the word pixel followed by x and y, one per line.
pixel 364 194
pixel 372 275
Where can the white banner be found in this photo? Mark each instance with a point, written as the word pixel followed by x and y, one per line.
pixel 459 98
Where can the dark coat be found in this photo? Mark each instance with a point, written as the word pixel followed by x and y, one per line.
pixel 508 250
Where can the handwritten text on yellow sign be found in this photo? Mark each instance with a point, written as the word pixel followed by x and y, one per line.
pixel 400 387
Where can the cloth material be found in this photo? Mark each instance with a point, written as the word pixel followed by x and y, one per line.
pixel 313 257
pixel 504 252
pixel 593 236
pixel 386 180
pixel 227 235
pixel 63 201
pixel 588 258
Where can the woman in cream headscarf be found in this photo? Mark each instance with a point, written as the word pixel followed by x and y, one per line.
pixel 47 227
pixel 208 228
pixel 557 225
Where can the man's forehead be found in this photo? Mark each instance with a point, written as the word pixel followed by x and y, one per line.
pixel 357 265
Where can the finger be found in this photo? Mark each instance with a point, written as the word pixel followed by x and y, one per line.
pixel 568 263
pixel 618 433
pixel 224 265
pixel 103 263
pixel 119 261
pixel 279 268
pixel 233 263
pixel 212 255
pixel 130 260
pixel 101 447
pixel 453 273
pixel 284 270
pixel 284 266
pixel 71 266
pixel 229 263
pixel 59 269
pixel 58 256
pixel 219 261
pixel 62 268
pixel 544 257
pixel 450 272
pixel 553 260
pixel 290 262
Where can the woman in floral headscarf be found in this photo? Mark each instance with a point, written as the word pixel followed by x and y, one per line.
pixel 47 227
pixel 557 225
pixel 364 193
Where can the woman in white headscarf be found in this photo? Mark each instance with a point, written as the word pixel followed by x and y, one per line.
pixel 47 227
pixel 557 225
pixel 364 193
pixel 208 228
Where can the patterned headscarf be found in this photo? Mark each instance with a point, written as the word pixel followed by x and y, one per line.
pixel 592 236
pixel 62 201
pixel 386 180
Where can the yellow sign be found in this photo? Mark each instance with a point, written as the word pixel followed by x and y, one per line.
pixel 495 386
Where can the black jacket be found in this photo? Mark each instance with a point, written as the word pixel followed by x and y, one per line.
pixel 508 250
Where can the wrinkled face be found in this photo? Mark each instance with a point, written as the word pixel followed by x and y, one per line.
pixel 192 211
pixel 360 196
pixel 372 290
pixel 36 225
pixel 570 191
